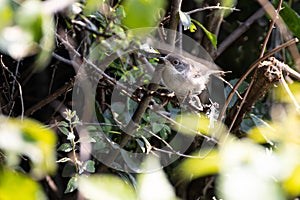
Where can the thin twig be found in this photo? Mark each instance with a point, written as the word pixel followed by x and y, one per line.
pixel 213 25
pixel 274 19
pixel 50 98
pixel 282 27
pixel 239 31
pixel 241 105
pixel 19 85
pixel 218 7
pixel 133 123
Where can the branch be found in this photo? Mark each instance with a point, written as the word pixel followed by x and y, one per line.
pixel 214 22
pixel 137 116
pixel 174 17
pixel 252 67
pixel 264 78
pixel 218 7
pixel 239 31
pixel 50 98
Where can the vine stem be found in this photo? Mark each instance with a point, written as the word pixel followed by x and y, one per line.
pixel 252 67
pixel 274 19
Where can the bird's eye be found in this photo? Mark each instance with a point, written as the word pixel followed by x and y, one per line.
pixel 175 62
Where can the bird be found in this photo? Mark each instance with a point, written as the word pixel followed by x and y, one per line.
pixel 187 77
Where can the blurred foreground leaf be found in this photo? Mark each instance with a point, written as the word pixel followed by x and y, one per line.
pixel 142 13
pixel 198 167
pixel 28 29
pixel 154 184
pixel 29 138
pixel 14 185
pixel 105 187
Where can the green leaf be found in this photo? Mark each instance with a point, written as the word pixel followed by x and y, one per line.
pixel 93 5
pixel 142 13
pixel 14 185
pixel 105 187
pixel 66 147
pixel 64 130
pixel 185 20
pixel 6 14
pixel 29 18
pixel 195 168
pixel 157 127
pixel 29 138
pixel 63 123
pixel 290 17
pixel 191 124
pixel 72 184
pixel 69 169
pixel 292 183
pixel 89 166
pixel 212 37
pixel 193 28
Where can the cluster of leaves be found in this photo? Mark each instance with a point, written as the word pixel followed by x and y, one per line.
pixel 76 167
pixel 267 160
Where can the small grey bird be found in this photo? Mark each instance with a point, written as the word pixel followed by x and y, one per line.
pixel 185 76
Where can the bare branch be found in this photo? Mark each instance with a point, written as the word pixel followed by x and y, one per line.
pixel 239 31
pixel 218 7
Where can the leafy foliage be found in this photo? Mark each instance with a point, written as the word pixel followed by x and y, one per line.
pixel 49 36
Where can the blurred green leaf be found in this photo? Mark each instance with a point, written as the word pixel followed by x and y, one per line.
pixel 105 187
pixel 198 167
pixel 263 134
pixel 248 170
pixel 154 179
pixel 229 4
pixel 212 37
pixel 6 14
pixel 29 18
pixel 292 183
pixel 14 185
pixel 29 138
pixel 17 42
pixel 283 96
pixel 191 124
pixel 93 5
pixel 245 183
pixel 46 42
pixel 142 13
pixel 29 29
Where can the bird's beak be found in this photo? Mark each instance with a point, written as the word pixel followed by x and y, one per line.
pixel 162 60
